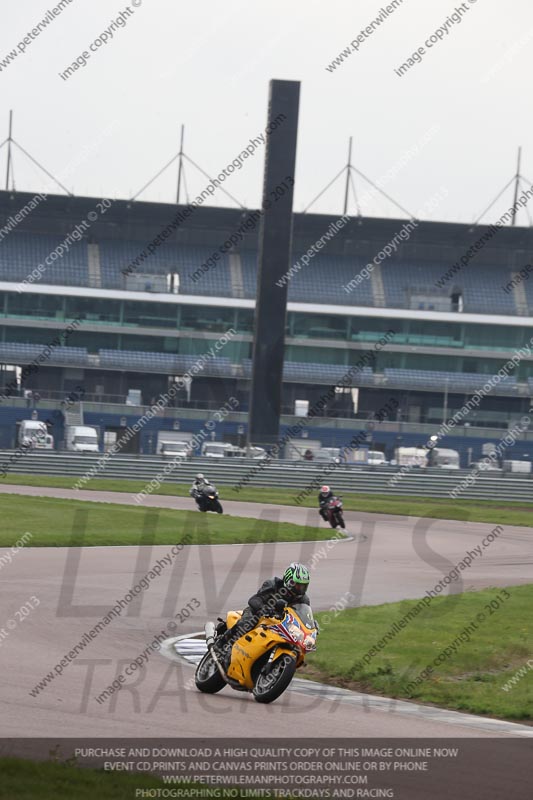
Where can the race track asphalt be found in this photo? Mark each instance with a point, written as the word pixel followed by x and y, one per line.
pixel 387 558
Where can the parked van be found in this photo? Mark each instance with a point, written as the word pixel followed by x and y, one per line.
pixel 216 449
pixel 444 458
pixel 411 457
pixel 175 449
pixel 81 439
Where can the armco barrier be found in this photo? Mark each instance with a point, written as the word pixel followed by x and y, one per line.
pixel 281 474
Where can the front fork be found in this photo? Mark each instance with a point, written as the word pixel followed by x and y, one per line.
pixel 278 651
pixel 210 641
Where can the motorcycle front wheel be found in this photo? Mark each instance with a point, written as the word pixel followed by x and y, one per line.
pixel 340 520
pixel 274 679
pixel 218 507
pixel 207 677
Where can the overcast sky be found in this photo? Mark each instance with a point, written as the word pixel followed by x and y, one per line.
pixel 108 129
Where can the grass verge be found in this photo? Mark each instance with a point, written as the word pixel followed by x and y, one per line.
pixel 495 511
pixel 60 523
pixel 49 780
pixel 354 651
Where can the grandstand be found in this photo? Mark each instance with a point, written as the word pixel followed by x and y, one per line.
pixel 148 318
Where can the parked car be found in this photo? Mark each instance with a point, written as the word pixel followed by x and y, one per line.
pixel 256 452
pixel 328 454
pixel 485 466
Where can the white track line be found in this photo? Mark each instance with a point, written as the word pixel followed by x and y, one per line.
pixel 189 649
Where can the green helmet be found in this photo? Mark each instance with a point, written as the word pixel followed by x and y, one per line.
pixel 296 577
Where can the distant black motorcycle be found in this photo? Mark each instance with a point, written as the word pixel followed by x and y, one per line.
pixel 207 498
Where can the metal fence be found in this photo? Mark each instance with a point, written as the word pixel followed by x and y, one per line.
pixel 280 474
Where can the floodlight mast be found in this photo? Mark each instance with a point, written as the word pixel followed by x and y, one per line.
pixel 516 186
pixel 9 139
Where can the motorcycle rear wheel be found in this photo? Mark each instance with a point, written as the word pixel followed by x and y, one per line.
pixel 207 677
pixel 268 687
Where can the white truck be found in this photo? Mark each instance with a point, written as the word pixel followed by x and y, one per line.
pixel 410 457
pixel 81 439
pixel 33 433
pixel 227 450
pixel 174 444
pixel 220 450
pixel 511 465
pixel 444 458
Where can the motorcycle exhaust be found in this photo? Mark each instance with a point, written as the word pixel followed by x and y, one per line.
pixel 210 641
pixel 210 634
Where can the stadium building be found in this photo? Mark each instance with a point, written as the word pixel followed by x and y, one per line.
pixel 424 313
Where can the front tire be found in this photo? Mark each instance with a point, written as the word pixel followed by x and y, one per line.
pixel 218 507
pixel 268 687
pixel 207 677
pixel 340 520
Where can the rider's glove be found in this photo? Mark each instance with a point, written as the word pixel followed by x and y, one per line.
pixel 279 607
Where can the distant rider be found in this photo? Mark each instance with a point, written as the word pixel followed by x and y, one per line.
pixel 324 497
pixel 198 484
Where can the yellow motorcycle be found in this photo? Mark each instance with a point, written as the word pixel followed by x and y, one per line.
pixel 262 661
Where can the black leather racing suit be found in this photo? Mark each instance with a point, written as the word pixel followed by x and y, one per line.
pixel 264 602
pixel 323 500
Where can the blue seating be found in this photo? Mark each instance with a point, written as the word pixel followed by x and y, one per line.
pixel 322 280
pixel 140 361
pixel 20 353
pixel 298 371
pixel 21 253
pixel 437 379
pixel 480 284
pixel 116 256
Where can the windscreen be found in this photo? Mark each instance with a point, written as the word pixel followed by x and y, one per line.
pixel 305 613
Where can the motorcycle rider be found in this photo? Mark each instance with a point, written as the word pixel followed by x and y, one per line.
pixel 198 484
pixel 325 495
pixel 270 599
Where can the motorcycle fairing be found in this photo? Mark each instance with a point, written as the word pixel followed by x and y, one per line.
pixel 248 649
